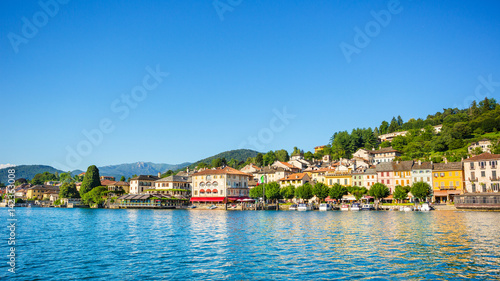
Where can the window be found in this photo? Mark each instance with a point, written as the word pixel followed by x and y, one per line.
pixel 397 182
pixel 458 184
pixel 450 174
pixel 428 178
pixel 472 165
pixel 483 174
pixel 451 184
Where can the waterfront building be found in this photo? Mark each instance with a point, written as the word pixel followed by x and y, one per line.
pixel 447 181
pixel 369 177
pixel 402 173
pixel 482 173
pixel 296 180
pixel 343 178
pixel 139 184
pixel 358 178
pixel 41 191
pixel 422 172
pixel 484 144
pixel 220 185
pixel 385 175
pixel 175 186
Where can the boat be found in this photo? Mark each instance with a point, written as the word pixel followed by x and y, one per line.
pixel 293 207
pixel 344 207
pixel 407 209
pixel 303 207
pixel 425 207
pixel 355 207
pixel 192 207
pixel 367 207
pixel 325 207
pixel 212 207
pixel 401 208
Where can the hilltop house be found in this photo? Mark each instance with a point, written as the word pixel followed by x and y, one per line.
pixel 484 144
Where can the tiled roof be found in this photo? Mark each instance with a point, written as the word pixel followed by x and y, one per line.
pixel 221 171
pixel 384 167
pixel 383 150
pixel 483 156
pixel 450 166
pixel 143 177
pixel 288 165
pixel 173 178
pixel 403 166
pixel 422 166
pixel 296 176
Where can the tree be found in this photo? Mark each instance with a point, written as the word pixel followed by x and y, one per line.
pixel 122 178
pixel 477 150
pixel 68 190
pixel 358 192
pixel 379 191
pixel 421 190
pixel 90 181
pixel 259 160
pixel 65 177
pixel 282 155
pixel 296 151
pixel 308 155
pixel 337 191
pixel 216 162
pixel 273 191
pixel 385 144
pixel 384 128
pixel 393 127
pixel 94 196
pixel 321 191
pixel 256 192
pixel 288 192
pixel 304 191
pixel 401 192
pixel 269 158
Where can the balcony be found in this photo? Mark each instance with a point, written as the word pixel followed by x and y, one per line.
pixel 497 178
pixel 447 188
pixel 473 179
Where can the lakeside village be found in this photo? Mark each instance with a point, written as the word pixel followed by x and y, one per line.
pixel 372 177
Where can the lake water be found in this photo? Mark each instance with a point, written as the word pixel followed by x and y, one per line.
pixel 75 244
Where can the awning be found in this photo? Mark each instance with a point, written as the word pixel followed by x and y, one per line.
pixel 214 191
pixel 446 192
pixel 202 190
pixel 348 197
pixel 328 199
pixel 238 198
pixel 208 199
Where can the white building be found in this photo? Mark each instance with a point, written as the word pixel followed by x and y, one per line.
pixel 139 184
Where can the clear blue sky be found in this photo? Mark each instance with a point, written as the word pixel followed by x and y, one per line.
pixel 227 74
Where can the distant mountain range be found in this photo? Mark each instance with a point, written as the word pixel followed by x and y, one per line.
pixel 127 170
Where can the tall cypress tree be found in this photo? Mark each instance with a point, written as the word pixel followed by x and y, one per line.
pixel 90 180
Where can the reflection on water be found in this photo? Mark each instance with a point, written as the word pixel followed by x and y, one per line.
pixel 262 245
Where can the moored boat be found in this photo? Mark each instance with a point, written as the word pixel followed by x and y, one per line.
pixel 344 207
pixel 325 207
pixel 293 207
pixel 408 208
pixel 367 207
pixel 303 207
pixel 355 207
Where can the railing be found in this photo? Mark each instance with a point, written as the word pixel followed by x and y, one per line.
pixel 497 178
pixel 473 179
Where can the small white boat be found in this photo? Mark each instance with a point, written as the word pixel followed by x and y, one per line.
pixel 293 207
pixel 425 207
pixel 192 207
pixel 407 209
pixel 325 207
pixel 355 207
pixel 303 207
pixel 344 207
pixel 401 208
pixel 212 207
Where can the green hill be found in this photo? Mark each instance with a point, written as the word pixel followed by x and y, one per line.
pixel 27 171
pixel 239 155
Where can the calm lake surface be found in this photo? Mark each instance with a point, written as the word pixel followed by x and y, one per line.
pixel 76 244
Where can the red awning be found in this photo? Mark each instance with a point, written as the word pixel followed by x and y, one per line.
pixel 214 191
pixel 202 190
pixel 328 199
pixel 208 191
pixel 208 199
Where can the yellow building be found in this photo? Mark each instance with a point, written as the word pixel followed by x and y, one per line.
pixel 402 173
pixel 37 191
pixel 447 181
pixel 343 178
pixel 319 148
